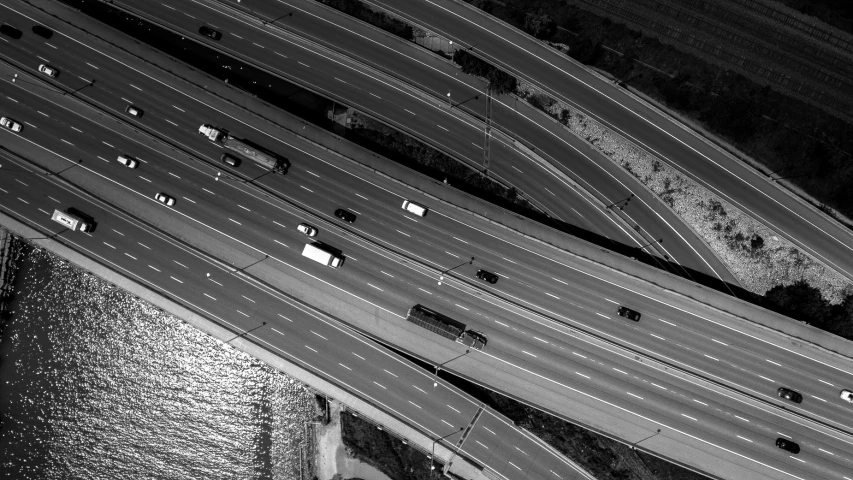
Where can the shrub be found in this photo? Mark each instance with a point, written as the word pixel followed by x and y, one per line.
pixel 540 25
pixel 499 81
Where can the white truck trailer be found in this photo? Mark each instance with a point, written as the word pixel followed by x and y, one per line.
pixel 320 255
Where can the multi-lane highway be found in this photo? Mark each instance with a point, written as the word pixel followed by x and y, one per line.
pixel 246 37
pixel 392 261
pixel 754 193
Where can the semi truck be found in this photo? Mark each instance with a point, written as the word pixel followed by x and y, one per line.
pixel 321 255
pixel 71 221
pixel 446 327
pixel 267 160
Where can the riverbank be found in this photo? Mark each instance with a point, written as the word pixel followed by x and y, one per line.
pixel 10 248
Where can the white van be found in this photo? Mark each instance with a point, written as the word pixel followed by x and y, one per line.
pixel 127 161
pixel 71 222
pixel 411 207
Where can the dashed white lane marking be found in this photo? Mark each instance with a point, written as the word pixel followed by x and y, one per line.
pixel 89 64
pixel 341 364
pixel 703 403
pixel 420 389
pixel 822 381
pixel 534 356
pixel 153 268
pixel 306 188
pixel 712 358
pixel 315 333
pixel 383 387
pixel 620 371
pixel 631 394
pixel 744 438
pixel 389 373
pixel 541 340
pixel 276 331
pixel 745 420
pixel 460 306
pixel 514 465
pixel 482 444
pixel 282 316
pixel 439 126
pixel 582 375
pixel 406 109
pixel 66 141
pixel 244 314
pixel 768 379
pixel 179 263
pixel 214 281
pixel 552 295
pixel 305 65
pixel 688 416
pixel 129 255
pixel 247 298
pixel 107 244
pixel 415 404
pixel 309 348
pixel 657 336
pixel 208 191
pixel 457 411
pixel 488 430
pixel 774 363
pixel 404 233
pixel 516 168
pixel 425 291
pixel 175 279
pixel 357 355
pixel 826 451
pixel 668 323
pixel 174 106
pixel 721 343
pixel 578 354
pixel 662 388
pixel 208 296
pixel 257 45
pixel 557 279
pixel 134 86
pixel 374 286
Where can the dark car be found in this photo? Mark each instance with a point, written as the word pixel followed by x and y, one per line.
pixel 345 215
pixel 209 32
pixel 487 276
pixel 629 314
pixel 230 160
pixel 42 31
pixel 788 445
pixel 789 394
pixel 10 31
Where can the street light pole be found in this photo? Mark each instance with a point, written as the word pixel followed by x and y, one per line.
pixel 634 445
pixel 64 169
pixel 466 101
pixel 621 207
pixel 442 274
pixel 438 367
pixel 265 22
pixel 432 456
pixel 246 332
pixel 660 240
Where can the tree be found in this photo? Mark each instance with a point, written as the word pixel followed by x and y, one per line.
pixel 540 25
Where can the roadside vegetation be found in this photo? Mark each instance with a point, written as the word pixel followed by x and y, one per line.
pixel 786 135
pixel 838 13
pixel 387 453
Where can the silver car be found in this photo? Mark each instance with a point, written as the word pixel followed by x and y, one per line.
pixel 11 124
pixel 48 70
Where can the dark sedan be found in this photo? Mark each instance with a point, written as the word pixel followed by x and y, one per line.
pixel 345 215
pixel 789 394
pixel 788 445
pixel 629 314
pixel 209 32
pixel 487 276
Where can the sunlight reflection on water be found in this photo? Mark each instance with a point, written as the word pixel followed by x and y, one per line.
pixel 98 384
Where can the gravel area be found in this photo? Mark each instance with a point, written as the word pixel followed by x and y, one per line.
pixel 755 254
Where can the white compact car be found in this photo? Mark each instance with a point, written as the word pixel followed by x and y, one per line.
pixel 307 229
pixel 165 199
pixel 131 110
pixel 127 161
pixel 11 124
pixel 412 207
pixel 48 70
pixel 847 395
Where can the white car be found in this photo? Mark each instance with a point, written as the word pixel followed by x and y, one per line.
pixel 48 70
pixel 307 229
pixel 131 110
pixel 847 395
pixel 11 124
pixel 165 199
